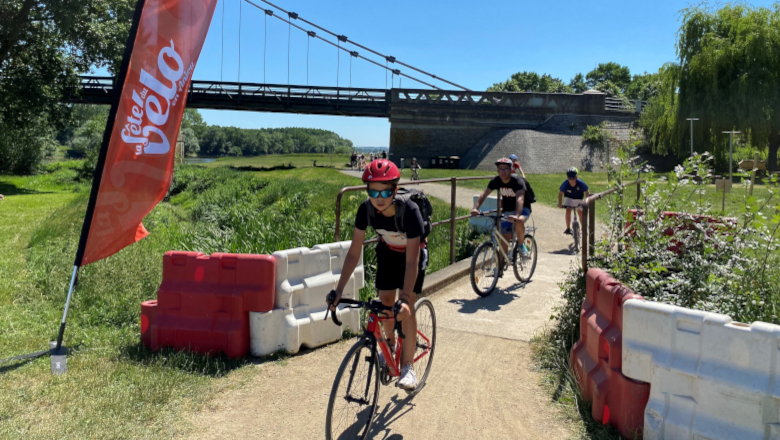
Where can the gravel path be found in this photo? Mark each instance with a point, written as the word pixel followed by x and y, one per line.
pixel 482 383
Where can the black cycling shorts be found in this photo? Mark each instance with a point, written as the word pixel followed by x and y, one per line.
pixel 391 268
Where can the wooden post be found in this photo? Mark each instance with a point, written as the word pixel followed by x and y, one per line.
pixel 453 213
pixel 592 228
pixel 584 250
pixel 753 174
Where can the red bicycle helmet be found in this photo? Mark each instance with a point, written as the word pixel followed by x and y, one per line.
pixel 381 170
pixel 503 160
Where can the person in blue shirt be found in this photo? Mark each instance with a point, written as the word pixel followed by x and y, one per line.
pixel 573 192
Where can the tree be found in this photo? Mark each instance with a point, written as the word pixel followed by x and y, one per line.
pixel 44 45
pixel 644 86
pixel 578 84
pixel 614 73
pixel 728 77
pixel 191 145
pixel 531 81
pixel 194 120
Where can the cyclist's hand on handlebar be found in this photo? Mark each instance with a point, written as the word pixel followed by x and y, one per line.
pixel 333 299
pixel 402 311
pixel 474 212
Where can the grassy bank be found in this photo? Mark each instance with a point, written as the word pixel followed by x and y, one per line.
pixel 115 388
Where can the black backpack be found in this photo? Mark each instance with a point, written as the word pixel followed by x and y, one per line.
pixel 403 194
pixel 529 192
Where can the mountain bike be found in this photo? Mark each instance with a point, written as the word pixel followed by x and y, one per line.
pixel 485 270
pixel 415 175
pixel 352 406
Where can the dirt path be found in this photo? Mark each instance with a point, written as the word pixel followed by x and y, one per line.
pixel 481 385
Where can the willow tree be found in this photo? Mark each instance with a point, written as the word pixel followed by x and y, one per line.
pixel 728 76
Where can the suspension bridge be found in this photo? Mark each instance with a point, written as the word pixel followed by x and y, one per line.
pixel 441 116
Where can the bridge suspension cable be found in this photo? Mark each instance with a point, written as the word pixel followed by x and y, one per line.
pixel 240 4
pixel 339 48
pixel 343 38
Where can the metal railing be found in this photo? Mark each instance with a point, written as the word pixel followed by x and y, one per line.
pixel 453 207
pixel 589 218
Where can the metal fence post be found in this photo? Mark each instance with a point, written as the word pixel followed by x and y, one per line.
pixel 453 213
pixel 585 226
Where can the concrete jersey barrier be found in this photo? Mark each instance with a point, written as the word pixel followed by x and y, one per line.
pixel 710 378
pixel 303 278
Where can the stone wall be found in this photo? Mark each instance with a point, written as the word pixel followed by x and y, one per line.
pixel 428 141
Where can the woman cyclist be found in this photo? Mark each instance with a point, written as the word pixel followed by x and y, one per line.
pixel 401 256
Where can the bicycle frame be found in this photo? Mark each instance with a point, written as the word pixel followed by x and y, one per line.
pixel 375 331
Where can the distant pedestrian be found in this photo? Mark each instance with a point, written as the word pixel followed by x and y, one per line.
pixel 384 154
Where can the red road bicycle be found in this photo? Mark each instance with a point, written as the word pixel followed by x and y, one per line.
pixel 353 399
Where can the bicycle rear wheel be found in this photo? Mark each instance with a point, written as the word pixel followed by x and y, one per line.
pixel 484 269
pixel 426 341
pixel 353 398
pixel 525 265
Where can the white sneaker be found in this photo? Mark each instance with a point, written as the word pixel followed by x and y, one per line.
pixel 408 380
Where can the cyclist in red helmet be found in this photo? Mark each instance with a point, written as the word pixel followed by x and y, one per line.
pixel 401 256
pixel 512 188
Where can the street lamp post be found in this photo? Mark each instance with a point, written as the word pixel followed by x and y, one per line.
pixel 731 148
pixel 692 119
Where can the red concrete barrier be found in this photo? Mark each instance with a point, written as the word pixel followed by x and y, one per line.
pixel 203 302
pixel 596 359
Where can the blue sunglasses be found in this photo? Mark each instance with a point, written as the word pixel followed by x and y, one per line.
pixel 374 194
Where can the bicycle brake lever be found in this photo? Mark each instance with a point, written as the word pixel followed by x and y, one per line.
pixel 396 309
pixel 330 299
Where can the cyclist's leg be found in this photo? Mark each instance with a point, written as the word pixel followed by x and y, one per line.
pixel 520 224
pixel 507 229
pixel 388 299
pixel 409 325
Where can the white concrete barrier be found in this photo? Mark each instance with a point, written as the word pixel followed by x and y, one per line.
pixel 484 224
pixel 710 378
pixel 303 278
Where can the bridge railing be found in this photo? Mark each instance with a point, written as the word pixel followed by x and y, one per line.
pixel 105 85
pixel 450 221
pixel 284 91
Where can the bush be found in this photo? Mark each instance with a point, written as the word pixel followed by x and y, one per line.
pixel 735 271
pixel 594 135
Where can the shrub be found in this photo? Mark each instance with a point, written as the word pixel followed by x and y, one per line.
pixel 732 270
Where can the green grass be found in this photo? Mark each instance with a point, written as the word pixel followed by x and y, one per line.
pixel 546 187
pixel 115 388
pixel 280 160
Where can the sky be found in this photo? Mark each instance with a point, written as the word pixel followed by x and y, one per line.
pixel 474 44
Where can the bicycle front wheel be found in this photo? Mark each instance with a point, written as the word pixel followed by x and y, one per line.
pixel 484 269
pixel 426 341
pixel 353 398
pixel 525 265
pixel 576 234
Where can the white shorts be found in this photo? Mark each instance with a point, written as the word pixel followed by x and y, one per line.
pixel 573 203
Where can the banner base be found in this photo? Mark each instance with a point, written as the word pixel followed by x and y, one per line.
pixel 59 363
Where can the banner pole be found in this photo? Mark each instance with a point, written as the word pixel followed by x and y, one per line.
pixel 67 304
pixel 96 179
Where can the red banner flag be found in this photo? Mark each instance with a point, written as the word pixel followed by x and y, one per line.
pixel 138 164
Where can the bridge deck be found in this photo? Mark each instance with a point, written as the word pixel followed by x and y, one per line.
pixel 419 105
